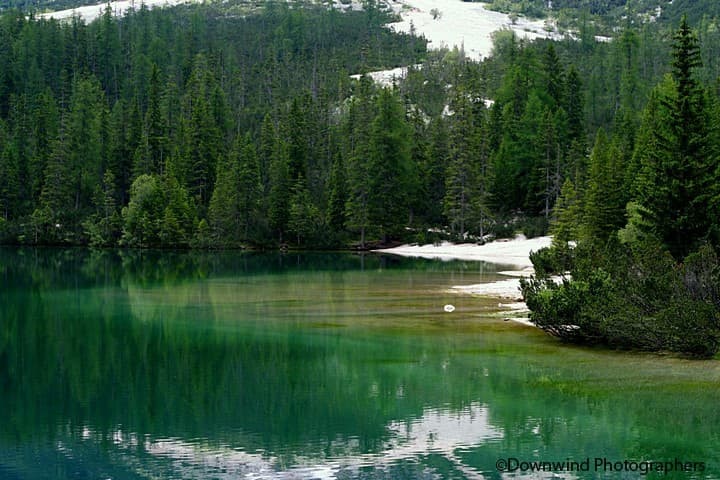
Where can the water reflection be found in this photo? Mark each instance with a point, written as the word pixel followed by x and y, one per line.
pixel 173 365
pixel 438 432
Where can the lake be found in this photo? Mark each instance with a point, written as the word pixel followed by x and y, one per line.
pixel 184 365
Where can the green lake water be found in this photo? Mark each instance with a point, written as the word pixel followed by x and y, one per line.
pixel 161 365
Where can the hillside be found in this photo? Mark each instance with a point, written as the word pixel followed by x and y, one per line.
pixel 608 15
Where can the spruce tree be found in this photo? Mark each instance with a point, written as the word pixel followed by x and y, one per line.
pixel 679 176
pixel 223 212
pixel 554 75
pixel 304 219
pixel 568 215
pixel 605 199
pixel 337 196
pixel 391 171
pixel 461 177
pixel 433 173
pixel 10 183
pixel 358 122
pixel 280 184
pixel 248 187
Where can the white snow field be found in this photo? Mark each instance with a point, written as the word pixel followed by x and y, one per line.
pixel 90 12
pixel 462 24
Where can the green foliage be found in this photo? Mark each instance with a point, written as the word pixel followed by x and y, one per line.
pixel 235 203
pixel 338 196
pixel 143 216
pixel 279 198
pixel 391 171
pixel 103 228
pixel 535 227
pixel 568 214
pixel 468 172
pixel 159 214
pixel 360 116
pixel 559 309
pixel 604 200
pixel 164 93
pixel 679 176
pixel 229 118
pixel 556 260
pixel 631 297
pixel 305 219
pixel 202 238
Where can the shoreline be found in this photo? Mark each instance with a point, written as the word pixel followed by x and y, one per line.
pixel 515 253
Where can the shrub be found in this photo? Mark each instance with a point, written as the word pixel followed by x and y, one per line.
pixel 634 298
pixel 556 259
pixel 535 227
pixel 503 229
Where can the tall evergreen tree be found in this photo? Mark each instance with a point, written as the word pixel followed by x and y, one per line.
pixel 84 137
pixel 679 177
pixel 50 219
pixel 337 196
pixel 605 199
pixel 280 185
pixel 358 122
pixel 10 175
pixel 461 177
pixel 574 107
pixel 433 172
pixel 391 170
pixel 554 75
pixel 568 215
pixel 304 219
pixel 223 212
pixel 154 146
pixel 103 228
pixel 248 187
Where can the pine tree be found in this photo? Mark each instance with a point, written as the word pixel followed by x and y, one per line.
pixel 574 107
pixel 462 171
pixel 178 218
pixel 280 184
pixel 391 170
pixel 433 173
pixel 568 215
pixel 45 120
pixel 50 218
pixel 605 200
pixel 10 183
pixel 223 212
pixel 679 176
pixel 103 228
pixel 248 187
pixel 304 219
pixel 84 138
pixel 265 152
pixel 359 119
pixel 337 197
pixel 202 137
pixel 554 75
pixel 155 140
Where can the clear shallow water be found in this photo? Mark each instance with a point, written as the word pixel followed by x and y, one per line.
pixel 230 366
